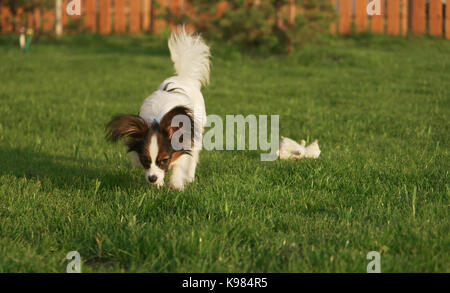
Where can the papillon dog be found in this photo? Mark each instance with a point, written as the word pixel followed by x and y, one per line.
pixel 166 133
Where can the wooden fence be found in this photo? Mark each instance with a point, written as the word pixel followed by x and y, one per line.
pixel 398 17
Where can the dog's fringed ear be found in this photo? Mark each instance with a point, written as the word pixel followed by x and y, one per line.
pixel 166 121
pixel 123 126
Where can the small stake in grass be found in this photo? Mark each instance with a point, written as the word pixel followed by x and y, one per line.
pixel 22 38
pixel 29 39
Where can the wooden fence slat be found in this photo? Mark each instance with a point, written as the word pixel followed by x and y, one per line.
pixel 418 17
pixel 175 9
pixel 37 18
pixel 119 17
pixel 393 17
pixel 135 16
pixel 90 19
pixel 105 16
pixel 221 7
pixel 19 19
pixel 435 17
pixel 175 6
pixel 82 5
pixel 333 23
pixel 377 25
pixel 291 12
pixel 345 16
pixel 404 4
pixel 30 21
pixel 49 20
pixel 361 19
pixel 190 12
pixel 146 8
pixel 64 13
pixel 447 20
pixel 6 19
pixel 158 23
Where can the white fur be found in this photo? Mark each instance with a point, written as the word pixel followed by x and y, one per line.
pixel 290 149
pixel 190 56
pixel 154 169
pixel 313 151
pixel 179 174
pixel 153 148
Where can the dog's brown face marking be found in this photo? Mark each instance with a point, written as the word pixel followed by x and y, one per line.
pixel 144 138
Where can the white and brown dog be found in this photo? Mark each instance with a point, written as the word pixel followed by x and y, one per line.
pixel 151 136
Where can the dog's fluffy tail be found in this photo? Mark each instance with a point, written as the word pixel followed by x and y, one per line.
pixel 190 56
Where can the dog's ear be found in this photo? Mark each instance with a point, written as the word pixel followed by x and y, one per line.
pixel 126 126
pixel 166 121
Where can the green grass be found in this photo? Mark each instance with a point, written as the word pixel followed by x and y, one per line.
pixel 379 107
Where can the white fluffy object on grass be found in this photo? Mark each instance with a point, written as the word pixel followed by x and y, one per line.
pixel 290 149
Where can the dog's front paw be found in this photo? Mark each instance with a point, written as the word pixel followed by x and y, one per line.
pixel 159 185
pixel 177 183
pixel 176 186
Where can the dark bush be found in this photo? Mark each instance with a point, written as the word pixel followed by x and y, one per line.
pixel 263 25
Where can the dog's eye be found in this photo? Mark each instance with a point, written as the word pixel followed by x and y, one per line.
pixel 164 161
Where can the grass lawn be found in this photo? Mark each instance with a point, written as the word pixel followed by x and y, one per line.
pixel 379 106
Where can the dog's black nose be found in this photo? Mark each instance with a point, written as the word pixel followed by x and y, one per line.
pixel 152 178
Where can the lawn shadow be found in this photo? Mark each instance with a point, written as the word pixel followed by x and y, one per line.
pixel 99 44
pixel 125 45
pixel 64 172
